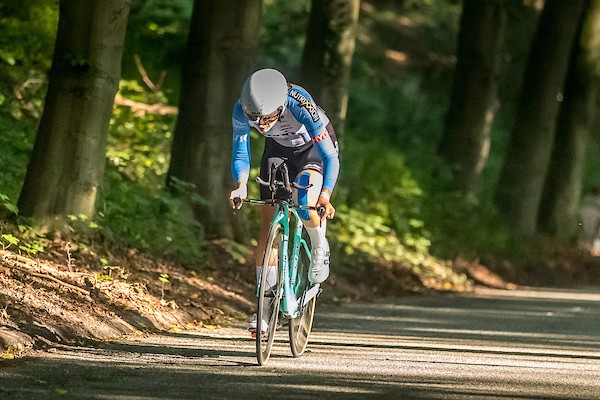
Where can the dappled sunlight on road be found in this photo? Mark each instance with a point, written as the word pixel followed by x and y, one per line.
pixel 492 345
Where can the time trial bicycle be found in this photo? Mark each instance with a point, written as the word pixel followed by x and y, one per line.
pixel 293 297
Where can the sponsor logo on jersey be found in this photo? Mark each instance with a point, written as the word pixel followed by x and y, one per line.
pixel 320 137
pixel 240 138
pixel 304 102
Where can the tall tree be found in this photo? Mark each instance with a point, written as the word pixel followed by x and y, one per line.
pixel 527 158
pixel 466 141
pixel 327 55
pixel 219 56
pixel 562 192
pixel 67 164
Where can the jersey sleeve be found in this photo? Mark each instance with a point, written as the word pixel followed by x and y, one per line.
pixel 305 110
pixel 240 157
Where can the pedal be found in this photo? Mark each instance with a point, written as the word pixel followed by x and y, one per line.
pixel 311 293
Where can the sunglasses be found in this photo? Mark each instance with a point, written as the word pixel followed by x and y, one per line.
pixel 266 119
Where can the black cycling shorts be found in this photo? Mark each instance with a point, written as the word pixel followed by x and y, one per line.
pixel 297 159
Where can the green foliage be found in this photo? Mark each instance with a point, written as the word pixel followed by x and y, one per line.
pixel 363 237
pixel 26 53
pixel 402 113
pixel 7 204
pixel 282 34
pixel 164 280
pixel 16 142
pixel 8 240
pixel 33 240
pixel 111 272
pixel 464 226
pixel 148 218
pixel 237 251
pixel 375 180
pixel 138 145
pixel 79 222
pixel 23 43
pixel 156 31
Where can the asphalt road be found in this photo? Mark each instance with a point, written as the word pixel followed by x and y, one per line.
pixel 538 344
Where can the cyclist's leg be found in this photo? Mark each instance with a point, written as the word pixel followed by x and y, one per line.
pixel 310 165
pixel 312 169
pixel 309 196
pixel 312 222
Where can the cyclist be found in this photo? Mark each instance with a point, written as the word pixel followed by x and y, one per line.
pixel 298 133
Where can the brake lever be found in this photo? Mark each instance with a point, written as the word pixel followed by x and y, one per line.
pixel 236 204
pixel 260 181
pixel 321 212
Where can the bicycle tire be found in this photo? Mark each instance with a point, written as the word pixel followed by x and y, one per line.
pixel 264 342
pixel 301 326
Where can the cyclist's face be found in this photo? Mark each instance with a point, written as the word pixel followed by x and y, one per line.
pixel 267 122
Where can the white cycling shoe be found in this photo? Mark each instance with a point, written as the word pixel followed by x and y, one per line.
pixel 319 270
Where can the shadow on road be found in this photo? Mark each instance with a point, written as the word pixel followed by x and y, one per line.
pixel 493 345
pixel 492 316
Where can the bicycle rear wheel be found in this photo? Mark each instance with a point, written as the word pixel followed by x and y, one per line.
pixel 301 326
pixel 269 296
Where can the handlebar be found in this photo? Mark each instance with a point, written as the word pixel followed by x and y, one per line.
pixel 320 210
pixel 277 186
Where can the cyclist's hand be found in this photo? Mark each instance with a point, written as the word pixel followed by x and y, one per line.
pixel 241 193
pixel 329 209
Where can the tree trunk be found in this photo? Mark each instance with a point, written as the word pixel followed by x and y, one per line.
pixel 67 164
pixel 466 141
pixel 527 159
pixel 562 193
pixel 327 56
pixel 219 56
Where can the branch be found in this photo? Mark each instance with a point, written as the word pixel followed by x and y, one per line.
pixel 13 264
pixel 143 108
pixel 142 71
pixel 53 279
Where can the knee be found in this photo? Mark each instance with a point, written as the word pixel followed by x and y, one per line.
pixel 303 179
pixel 313 180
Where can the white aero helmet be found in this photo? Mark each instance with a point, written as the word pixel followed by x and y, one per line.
pixel 263 92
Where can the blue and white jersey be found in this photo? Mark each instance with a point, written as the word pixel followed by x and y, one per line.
pixel 301 122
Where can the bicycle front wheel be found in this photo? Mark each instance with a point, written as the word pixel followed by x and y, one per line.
pixel 269 296
pixel 301 326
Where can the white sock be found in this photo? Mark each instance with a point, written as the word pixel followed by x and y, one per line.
pixel 317 236
pixel 271 275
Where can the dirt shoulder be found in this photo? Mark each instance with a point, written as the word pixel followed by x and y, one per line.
pixel 75 295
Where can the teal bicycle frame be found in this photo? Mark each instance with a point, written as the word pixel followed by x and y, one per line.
pixel 290 305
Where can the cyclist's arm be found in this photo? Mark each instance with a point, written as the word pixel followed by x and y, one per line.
pixel 305 111
pixel 240 158
pixel 329 156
